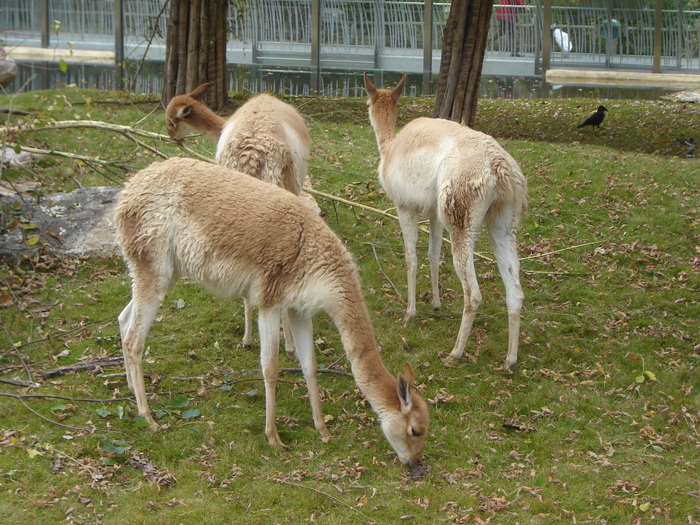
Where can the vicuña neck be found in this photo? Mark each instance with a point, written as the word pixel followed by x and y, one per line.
pixel 371 375
pixel 207 122
pixel 385 130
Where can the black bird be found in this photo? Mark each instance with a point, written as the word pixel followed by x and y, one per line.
pixel 691 146
pixel 595 119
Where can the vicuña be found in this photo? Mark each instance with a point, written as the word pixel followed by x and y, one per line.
pixel 265 138
pixel 458 178
pixel 237 236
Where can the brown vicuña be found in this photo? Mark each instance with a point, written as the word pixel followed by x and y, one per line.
pixel 458 178
pixel 265 138
pixel 236 236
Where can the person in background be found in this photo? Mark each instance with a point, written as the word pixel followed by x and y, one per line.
pixel 506 16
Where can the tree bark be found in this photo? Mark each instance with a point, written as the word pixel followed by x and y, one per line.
pixel 464 46
pixel 196 50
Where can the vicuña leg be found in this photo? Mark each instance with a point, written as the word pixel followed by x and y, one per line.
pixel 434 257
pixel 248 327
pixel 124 326
pixel 408 221
pixel 248 330
pixel 269 328
pixel 463 259
pixel 302 329
pixel 504 244
pixel 134 323
pixel 289 344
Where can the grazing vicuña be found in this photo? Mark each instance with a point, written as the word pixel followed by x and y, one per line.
pixel 237 236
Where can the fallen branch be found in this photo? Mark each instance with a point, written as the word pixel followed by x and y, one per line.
pixel 568 248
pixel 198 156
pixel 103 362
pixel 15 382
pixel 380 212
pixel 349 202
pixel 199 378
pixel 65 398
pixel 19 398
pixel 318 371
pixel 321 493
pixel 70 124
pixel 9 111
pixel 19 355
pixel 67 155
pixel 376 258
pixel 131 133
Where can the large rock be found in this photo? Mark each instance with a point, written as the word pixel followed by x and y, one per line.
pixel 77 223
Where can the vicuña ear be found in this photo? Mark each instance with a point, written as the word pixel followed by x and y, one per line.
pixel 184 111
pixel 200 90
pixel 405 380
pixel 369 87
pixel 398 89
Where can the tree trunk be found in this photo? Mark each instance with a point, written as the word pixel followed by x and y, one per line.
pixel 463 49
pixel 196 50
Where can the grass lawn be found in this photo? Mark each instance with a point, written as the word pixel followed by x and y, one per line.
pixel 599 422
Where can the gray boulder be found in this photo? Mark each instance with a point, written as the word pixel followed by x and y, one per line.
pixel 77 223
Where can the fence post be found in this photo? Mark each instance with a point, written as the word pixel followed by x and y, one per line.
pixel 380 35
pixel 681 35
pixel 546 37
pixel 427 46
pixel 315 47
pixel 44 22
pixel 658 27
pixel 119 42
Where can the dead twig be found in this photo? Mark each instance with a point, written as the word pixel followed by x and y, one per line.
pixel 189 151
pixel 19 354
pixel 67 155
pixel 318 371
pixel 15 382
pixel 379 264
pixel 65 398
pixel 380 212
pixel 85 365
pixel 87 468
pixel 321 493
pixel 568 248
pixel 40 416
pixel 69 124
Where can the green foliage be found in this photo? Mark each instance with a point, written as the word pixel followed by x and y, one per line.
pixel 599 421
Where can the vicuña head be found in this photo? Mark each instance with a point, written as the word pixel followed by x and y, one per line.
pixel 185 114
pixel 236 235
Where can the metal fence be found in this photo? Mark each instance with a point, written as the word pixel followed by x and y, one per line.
pixel 383 35
pixel 624 37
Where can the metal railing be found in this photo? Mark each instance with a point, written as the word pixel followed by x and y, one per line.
pixel 385 35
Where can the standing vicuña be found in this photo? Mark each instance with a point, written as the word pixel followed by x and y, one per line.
pixel 265 138
pixel 458 178
pixel 236 235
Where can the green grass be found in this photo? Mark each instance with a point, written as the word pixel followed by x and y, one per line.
pixel 598 422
